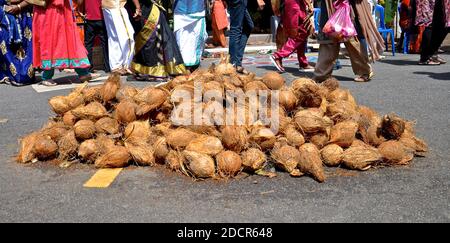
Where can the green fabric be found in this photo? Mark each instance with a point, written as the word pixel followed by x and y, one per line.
pixel 390 10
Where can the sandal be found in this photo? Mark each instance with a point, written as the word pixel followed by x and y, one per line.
pixel 438 59
pixel 49 83
pixel 364 78
pixel 308 68
pixel 430 62
pixel 85 78
pixel 242 70
pixel 277 63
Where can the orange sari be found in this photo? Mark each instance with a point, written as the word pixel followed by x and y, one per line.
pixel 219 23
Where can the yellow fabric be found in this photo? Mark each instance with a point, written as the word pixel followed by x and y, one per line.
pixel 147 30
pixel 112 4
pixel 160 70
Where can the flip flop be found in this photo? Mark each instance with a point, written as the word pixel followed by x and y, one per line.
pixel 48 83
pixel 276 64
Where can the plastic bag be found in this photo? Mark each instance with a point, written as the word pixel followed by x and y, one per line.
pixel 340 26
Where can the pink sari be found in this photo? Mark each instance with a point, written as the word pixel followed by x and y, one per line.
pixel 56 40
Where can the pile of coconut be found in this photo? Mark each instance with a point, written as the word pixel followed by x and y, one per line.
pixel 116 125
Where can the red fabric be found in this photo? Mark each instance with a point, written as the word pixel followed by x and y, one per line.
pixel 297 43
pixel 93 9
pixel 219 15
pixel 56 36
pixel 293 14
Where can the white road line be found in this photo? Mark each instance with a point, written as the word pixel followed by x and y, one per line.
pixel 42 88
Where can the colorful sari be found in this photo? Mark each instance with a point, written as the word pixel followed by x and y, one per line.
pixel 16 52
pixel 56 40
pixel 157 53
pixel 190 29
pixel 219 23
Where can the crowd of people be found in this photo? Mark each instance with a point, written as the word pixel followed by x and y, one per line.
pixel 136 39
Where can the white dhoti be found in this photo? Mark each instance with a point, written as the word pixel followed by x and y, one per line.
pixel 120 38
pixel 190 32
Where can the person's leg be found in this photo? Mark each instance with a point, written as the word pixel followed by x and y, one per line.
pixel 127 41
pixel 47 76
pixel 236 10
pixel 114 47
pixel 425 46
pixel 89 35
pixel 358 58
pixel 101 33
pixel 328 54
pixel 439 31
pixel 246 31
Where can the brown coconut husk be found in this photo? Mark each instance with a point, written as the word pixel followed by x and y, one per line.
pixel 310 162
pixel 107 125
pixel 228 163
pixel 286 157
pixel 44 148
pixel 410 141
pixel 310 95
pixel 69 118
pixel 200 165
pixel 309 121
pixel 263 137
pixel 126 93
pixel 26 151
pixel 343 133
pixel 369 113
pixel 76 97
pixel 110 87
pixel 206 145
pixel 213 86
pixel 255 85
pixel 341 95
pixel 91 94
pixel 246 78
pixel 288 100
pixel 294 137
pixel 84 129
pixel 253 159
pixel 59 104
pixel 137 131
pixel 142 153
pixel 342 111
pixel 298 84
pixel 55 130
pixel 104 143
pixel 126 111
pixel 361 157
pixel 91 111
pixel 331 84
pixel 117 157
pixel 152 100
pixel 161 148
pixel 89 150
pixel 180 138
pixel 332 155
pixel 392 126
pixel 174 160
pixel 319 139
pixel 224 67
pixel 234 138
pixel 273 80
pixel 395 153
pixel 68 146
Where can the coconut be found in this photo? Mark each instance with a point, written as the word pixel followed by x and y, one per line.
pixel 310 162
pixel 228 163
pixel 91 111
pixel 84 129
pixel 392 126
pixel 201 165
pixel 358 142
pixel 116 157
pixel 299 83
pixel 310 95
pixel 253 159
pixel 68 146
pixel 255 85
pixel 89 150
pixel 225 69
pixel 288 100
pixel 294 137
pixel 59 104
pixel 137 131
pixel 76 98
pixel 55 130
pixel 394 152
pixel 414 143
pixel 319 139
pixel 341 95
pixel 331 84
pixel 369 113
pixel 343 133
pixel 91 94
pixel 104 144
pixel 174 160
pixel 206 145
pixel 309 121
pixel 213 86
pixel 180 138
pixel 44 147
pixel 246 78
pixel 149 99
pixel 273 80
pixel 110 87
pixel 141 153
pixel 286 157
pixel 69 119
pixel 161 148
pixel 360 157
pixel 332 155
pixel 263 137
pixel 126 111
pixel 234 138
pixel 26 152
pixel 342 111
pixel 126 92
pixel 107 125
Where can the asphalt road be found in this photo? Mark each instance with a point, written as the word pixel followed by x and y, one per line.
pixel 416 193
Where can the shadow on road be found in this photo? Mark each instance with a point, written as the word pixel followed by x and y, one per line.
pixel 437 76
pixel 399 62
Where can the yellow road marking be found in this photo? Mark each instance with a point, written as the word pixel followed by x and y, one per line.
pixel 103 178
